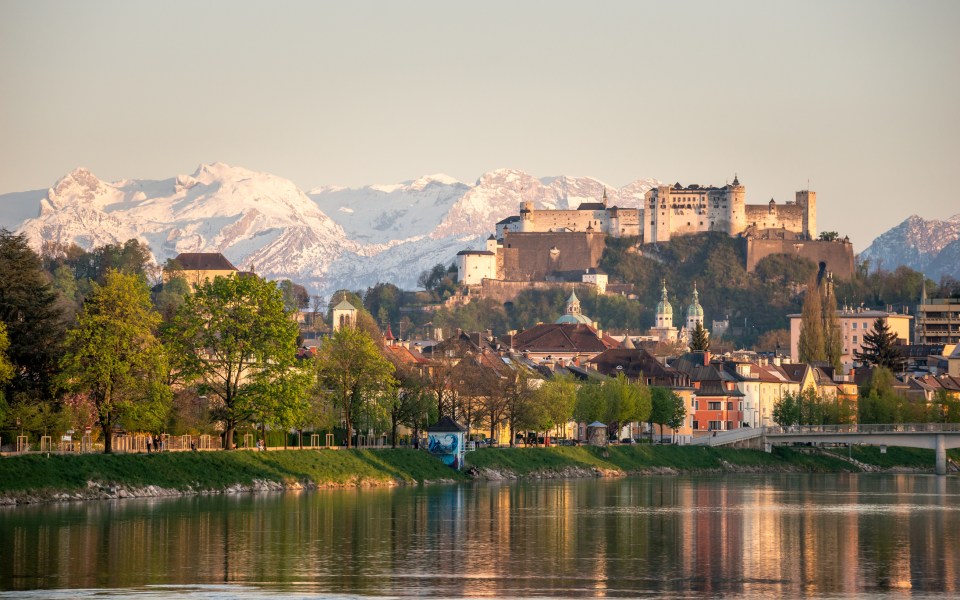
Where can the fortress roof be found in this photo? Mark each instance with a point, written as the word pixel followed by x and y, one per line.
pixel 591 206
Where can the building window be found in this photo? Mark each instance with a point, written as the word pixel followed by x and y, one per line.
pixel 854 339
pixel 729 405
pixel 714 406
pixel 854 325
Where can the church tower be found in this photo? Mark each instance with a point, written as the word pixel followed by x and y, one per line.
pixel 694 311
pixel 664 310
pixel 664 330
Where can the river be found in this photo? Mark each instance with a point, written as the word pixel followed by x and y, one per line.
pixel 732 536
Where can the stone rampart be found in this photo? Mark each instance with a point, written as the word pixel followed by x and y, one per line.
pixel 837 255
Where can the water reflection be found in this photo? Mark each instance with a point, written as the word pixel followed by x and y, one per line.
pixel 752 536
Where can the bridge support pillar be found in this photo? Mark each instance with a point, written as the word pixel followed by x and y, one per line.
pixel 941 455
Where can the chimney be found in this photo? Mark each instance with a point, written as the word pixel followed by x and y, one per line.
pixel 706 358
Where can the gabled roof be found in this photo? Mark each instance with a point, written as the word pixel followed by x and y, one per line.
pixel 561 337
pixel 634 362
pixel 204 261
pixel 344 305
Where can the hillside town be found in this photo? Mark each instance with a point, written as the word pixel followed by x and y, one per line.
pixel 339 375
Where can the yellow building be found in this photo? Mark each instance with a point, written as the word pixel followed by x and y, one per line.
pixel 198 267
pixel 854 324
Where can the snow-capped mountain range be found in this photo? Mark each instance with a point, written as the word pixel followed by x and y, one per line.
pixel 929 246
pixel 329 238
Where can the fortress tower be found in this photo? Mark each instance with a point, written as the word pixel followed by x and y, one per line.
pixel 736 206
pixel 808 201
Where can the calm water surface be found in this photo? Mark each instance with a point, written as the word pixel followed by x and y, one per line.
pixel 820 536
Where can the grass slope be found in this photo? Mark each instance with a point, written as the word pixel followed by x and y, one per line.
pixel 219 470
pixel 628 459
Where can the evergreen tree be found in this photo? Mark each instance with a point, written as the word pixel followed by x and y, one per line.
pixel 811 343
pixel 879 348
pixel 699 340
pixel 832 336
pixel 29 309
pixel 113 354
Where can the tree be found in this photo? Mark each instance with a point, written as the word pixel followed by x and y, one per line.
pixel 832 336
pixel 113 354
pixel 354 374
pixel 811 343
pixel 667 409
pixel 879 348
pixel 411 401
pixel 233 337
pixel 34 321
pixel 590 405
pixel 878 401
pixel 828 236
pixel 295 296
pixel 625 401
pixel 699 340
pixel 558 396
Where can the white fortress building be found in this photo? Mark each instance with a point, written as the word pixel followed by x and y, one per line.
pixel 677 210
pixel 595 217
pixel 542 245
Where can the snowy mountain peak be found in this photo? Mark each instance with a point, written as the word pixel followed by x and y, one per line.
pixel 929 246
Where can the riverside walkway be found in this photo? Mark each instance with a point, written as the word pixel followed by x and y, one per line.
pixel 935 436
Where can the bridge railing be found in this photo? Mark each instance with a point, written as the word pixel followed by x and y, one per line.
pixel 866 428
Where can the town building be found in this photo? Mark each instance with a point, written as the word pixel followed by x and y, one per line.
pixel 938 320
pixel 678 210
pixel 199 267
pixel 854 324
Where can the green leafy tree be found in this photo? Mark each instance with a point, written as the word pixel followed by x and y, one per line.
pixel 113 354
pixel 557 397
pixel 514 388
pixel 879 348
pixel 946 407
pixel 234 339
pixel 356 376
pixel 832 336
pixel 591 403
pixel 666 409
pixel 411 402
pixel 626 401
pixel 879 402
pixel 699 340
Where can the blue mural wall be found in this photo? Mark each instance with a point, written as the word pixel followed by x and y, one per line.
pixel 447 446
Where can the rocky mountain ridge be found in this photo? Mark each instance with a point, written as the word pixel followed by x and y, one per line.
pixel 929 246
pixel 329 238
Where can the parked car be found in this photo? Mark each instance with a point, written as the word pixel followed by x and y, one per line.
pixel 628 441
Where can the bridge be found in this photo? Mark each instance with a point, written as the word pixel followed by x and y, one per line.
pixel 935 436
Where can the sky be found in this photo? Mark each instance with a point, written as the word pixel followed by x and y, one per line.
pixel 857 100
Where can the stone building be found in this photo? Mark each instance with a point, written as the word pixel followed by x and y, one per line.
pixel 677 210
pixel 197 267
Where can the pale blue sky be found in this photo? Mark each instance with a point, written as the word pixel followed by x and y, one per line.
pixel 861 98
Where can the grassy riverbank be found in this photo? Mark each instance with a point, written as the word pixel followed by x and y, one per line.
pixel 40 477
pixel 645 458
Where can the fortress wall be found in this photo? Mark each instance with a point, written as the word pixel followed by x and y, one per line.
pixel 507 291
pixel 528 257
pixel 783 216
pixel 837 255
pixel 575 220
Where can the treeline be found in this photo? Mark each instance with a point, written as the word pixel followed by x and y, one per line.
pixel 878 402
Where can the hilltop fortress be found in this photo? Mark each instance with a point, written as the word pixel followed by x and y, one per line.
pixel 566 245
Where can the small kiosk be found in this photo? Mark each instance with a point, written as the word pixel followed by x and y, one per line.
pixel 597 434
pixel 445 440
